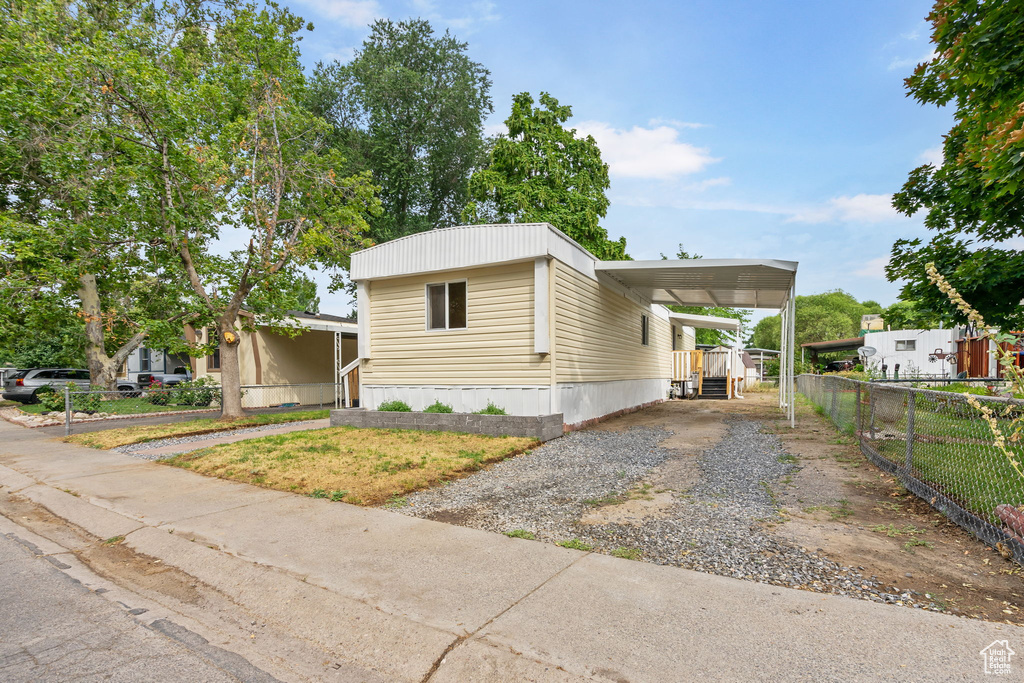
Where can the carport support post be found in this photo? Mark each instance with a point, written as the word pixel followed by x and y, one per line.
pixel 67 411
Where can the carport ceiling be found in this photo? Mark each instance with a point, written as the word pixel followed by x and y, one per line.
pixel 740 283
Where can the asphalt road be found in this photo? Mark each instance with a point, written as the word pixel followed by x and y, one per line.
pixel 54 629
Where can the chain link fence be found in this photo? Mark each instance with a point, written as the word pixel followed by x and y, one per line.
pixel 939 447
pixel 71 406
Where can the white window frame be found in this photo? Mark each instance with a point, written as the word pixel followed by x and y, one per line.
pixel 645 329
pixel 145 359
pixel 905 342
pixel 426 306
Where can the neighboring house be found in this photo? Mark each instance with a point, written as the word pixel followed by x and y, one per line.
pixel 155 361
pixel 760 358
pixel 523 317
pixel 871 322
pixel 913 350
pixel 269 357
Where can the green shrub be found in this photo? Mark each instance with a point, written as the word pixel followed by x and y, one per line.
pixel 49 398
pixel 491 409
pixel 394 407
pixel 201 392
pixel 157 393
pixel 438 407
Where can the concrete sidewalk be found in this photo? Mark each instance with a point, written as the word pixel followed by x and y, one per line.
pixel 412 599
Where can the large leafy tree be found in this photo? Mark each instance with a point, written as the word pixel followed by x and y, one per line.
pixel 543 172
pixel 410 107
pixel 73 253
pixel 972 200
pixel 819 317
pixel 237 158
pixel 703 335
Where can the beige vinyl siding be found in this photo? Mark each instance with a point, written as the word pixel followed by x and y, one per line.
pixel 495 349
pixel 597 333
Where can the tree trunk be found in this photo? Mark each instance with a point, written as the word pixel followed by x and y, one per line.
pixel 230 372
pixel 102 368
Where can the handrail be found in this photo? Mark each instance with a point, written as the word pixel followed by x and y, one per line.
pixel 346 382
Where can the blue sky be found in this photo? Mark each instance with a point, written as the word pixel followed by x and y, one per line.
pixel 741 129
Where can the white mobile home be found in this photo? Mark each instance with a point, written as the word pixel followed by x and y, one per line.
pixel 912 350
pixel 523 317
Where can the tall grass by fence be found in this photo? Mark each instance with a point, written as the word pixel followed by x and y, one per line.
pixel 938 447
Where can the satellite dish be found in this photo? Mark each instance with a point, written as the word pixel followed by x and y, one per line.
pixel 867 351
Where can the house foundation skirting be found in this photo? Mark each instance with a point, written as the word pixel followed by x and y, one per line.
pixel 578 402
pixel 581 402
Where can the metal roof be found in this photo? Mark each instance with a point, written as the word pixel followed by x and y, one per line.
pixel 740 283
pixel 707 322
pixel 851 344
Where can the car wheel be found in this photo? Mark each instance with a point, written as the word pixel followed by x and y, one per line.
pixel 129 392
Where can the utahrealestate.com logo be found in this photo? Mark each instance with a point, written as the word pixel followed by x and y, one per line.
pixel 997 657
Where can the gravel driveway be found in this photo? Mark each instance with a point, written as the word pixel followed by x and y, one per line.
pixel 588 485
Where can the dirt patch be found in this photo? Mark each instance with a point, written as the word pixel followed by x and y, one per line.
pixel 705 426
pixel 841 505
pixel 106 557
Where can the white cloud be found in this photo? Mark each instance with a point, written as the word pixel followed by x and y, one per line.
pixel 652 153
pixel 476 13
pixel 932 155
pixel 873 269
pixel 498 128
pixel 909 62
pixel 354 13
pixel 675 123
pixel 343 55
pixel 860 208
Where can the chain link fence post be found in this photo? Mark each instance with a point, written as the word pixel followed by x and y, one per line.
pixel 857 430
pixel 911 402
pixel 67 411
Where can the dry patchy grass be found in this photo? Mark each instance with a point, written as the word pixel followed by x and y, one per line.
pixel 112 438
pixel 361 466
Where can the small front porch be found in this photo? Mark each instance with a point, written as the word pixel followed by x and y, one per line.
pixel 715 373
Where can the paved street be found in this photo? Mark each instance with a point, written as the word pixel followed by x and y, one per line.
pixel 52 628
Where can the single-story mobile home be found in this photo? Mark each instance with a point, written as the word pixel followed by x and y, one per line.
pixel 523 317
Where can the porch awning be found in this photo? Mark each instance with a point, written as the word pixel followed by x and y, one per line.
pixel 707 322
pixel 740 283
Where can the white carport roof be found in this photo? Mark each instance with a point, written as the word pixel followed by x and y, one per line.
pixel 740 283
pixel 708 322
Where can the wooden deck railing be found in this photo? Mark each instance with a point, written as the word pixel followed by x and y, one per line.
pixel 686 362
pixel 717 363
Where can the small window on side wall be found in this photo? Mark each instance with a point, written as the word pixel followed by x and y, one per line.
pixel 446 306
pixel 644 329
pixel 213 361
pixel 906 344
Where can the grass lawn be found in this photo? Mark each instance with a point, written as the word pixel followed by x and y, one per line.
pixel 360 466
pixel 121 406
pixel 112 438
pixel 952 451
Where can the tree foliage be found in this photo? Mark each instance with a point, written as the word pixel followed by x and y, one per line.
pixel 819 317
pixel 410 107
pixel 703 335
pixel 972 199
pixel 68 237
pixel 910 315
pixel 542 172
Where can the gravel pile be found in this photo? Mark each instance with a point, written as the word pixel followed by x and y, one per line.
pixel 191 443
pixel 546 490
pixel 717 526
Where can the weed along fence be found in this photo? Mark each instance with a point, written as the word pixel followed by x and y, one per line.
pixel 940 448
pixel 70 406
